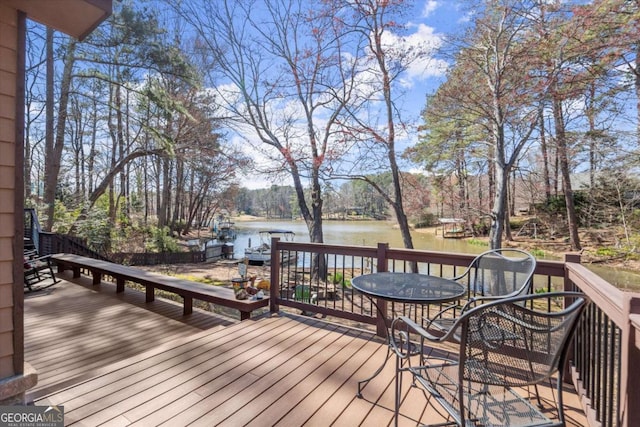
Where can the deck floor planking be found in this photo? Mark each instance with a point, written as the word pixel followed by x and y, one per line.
pixel 208 370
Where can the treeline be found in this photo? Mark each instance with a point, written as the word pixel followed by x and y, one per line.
pixel 146 125
pixel 119 130
pixel 346 199
pixel 537 92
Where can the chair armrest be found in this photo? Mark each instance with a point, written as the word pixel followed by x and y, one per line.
pixel 38 262
pixel 401 329
pixel 44 258
pixel 432 322
pixel 30 253
pixel 462 275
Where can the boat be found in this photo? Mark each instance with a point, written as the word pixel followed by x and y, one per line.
pixel 225 231
pixel 261 255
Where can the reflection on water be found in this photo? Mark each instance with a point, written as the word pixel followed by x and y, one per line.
pixel 370 233
pixel 362 233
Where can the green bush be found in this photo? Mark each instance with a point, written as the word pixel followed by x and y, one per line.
pixel 538 253
pixel 161 241
pixel 337 278
pixel 96 229
pixel 606 252
pixel 477 242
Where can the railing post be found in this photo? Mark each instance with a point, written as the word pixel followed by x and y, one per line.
pixel 567 286
pixel 382 257
pixel 629 374
pixel 274 291
pixel 574 258
pixel 381 326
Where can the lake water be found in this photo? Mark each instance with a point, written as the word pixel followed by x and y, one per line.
pixel 370 233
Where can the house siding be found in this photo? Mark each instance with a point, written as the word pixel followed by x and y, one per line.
pixel 8 79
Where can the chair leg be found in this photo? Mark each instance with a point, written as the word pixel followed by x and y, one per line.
pixel 398 391
pixel 560 380
pixel 31 276
pixel 53 275
pixel 535 386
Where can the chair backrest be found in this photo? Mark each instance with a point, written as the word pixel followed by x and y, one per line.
pixel 520 340
pixel 501 273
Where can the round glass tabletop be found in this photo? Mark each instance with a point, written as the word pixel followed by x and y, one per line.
pixel 409 287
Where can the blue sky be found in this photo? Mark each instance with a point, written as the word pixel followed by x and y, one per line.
pixel 428 21
pixel 432 22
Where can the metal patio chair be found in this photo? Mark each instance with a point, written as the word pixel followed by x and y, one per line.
pixel 513 342
pixel 492 275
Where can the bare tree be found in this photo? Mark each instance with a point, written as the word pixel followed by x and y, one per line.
pixel 278 67
pixel 373 118
pixel 54 132
pixel 35 109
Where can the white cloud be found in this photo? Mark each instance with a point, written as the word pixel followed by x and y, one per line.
pixel 429 7
pixel 426 66
pixel 423 42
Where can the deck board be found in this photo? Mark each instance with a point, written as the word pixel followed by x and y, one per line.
pixel 73 329
pixel 280 370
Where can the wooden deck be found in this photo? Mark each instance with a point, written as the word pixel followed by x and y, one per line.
pixel 111 362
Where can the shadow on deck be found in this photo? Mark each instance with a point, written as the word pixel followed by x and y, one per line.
pixel 114 360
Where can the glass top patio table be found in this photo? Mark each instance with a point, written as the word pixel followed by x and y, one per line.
pixel 409 288
pixel 412 288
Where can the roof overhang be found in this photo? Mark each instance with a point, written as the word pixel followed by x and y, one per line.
pixel 76 18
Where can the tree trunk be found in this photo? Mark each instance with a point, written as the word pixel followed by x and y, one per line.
pixel 54 157
pixel 397 204
pixel 461 173
pixel 313 220
pixel 546 176
pixel 178 194
pixel 48 138
pixel 509 211
pixel 498 211
pixel 165 202
pixel 637 88
pixel 561 143
pixel 106 182
pixel 114 95
pixel 158 192
pixel 92 149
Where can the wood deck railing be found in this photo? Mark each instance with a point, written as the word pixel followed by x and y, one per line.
pixel 605 348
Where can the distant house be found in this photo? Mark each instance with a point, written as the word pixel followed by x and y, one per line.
pixel 356 210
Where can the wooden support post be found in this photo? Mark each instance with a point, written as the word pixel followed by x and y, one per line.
pixel 630 352
pixel 119 284
pixel 188 305
pixel 274 290
pixel 150 293
pixel 381 315
pixel 97 277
